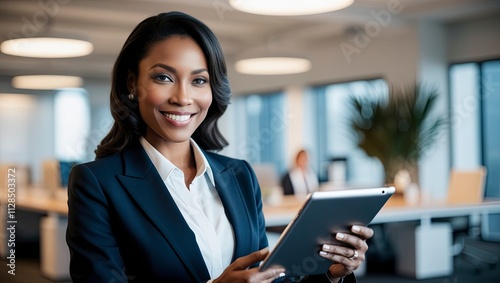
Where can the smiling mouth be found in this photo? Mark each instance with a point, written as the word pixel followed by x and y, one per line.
pixel 178 118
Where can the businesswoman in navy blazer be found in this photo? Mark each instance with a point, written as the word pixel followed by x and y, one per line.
pixel 157 204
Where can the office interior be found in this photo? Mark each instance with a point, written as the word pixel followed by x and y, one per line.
pixel 364 49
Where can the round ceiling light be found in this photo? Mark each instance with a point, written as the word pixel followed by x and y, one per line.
pixel 44 82
pixel 46 47
pixel 289 7
pixel 273 66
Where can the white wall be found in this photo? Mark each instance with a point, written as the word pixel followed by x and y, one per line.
pixel 474 40
pixel 296 137
pixel 392 57
pixel 101 120
pixel 434 165
pixel 26 130
pixel 27 126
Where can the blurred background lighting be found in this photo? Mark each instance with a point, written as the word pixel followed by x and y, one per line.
pixel 44 82
pixel 46 47
pixel 273 66
pixel 289 7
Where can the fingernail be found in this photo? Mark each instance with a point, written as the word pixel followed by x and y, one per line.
pixel 282 274
pixel 322 253
pixel 327 247
pixel 356 228
pixel 340 236
pixel 264 251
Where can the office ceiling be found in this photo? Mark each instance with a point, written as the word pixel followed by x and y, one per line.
pixel 107 23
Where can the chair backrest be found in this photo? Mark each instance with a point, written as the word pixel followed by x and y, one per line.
pixel 266 174
pixel 467 186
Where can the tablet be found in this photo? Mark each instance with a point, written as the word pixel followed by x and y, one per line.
pixel 322 215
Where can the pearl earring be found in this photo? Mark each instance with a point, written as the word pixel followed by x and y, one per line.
pixel 131 96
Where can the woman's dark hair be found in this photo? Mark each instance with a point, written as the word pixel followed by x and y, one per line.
pixel 128 125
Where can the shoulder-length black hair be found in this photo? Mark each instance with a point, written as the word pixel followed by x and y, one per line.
pixel 128 125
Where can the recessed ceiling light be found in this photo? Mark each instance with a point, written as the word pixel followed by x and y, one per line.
pixel 44 82
pixel 273 66
pixel 47 47
pixel 289 7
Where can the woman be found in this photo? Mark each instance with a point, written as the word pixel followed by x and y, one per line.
pixel 158 205
pixel 301 179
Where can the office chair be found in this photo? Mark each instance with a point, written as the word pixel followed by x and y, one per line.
pixel 467 186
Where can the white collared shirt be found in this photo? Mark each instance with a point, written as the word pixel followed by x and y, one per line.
pixel 303 182
pixel 200 206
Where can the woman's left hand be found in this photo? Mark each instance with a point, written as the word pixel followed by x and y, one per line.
pixel 347 259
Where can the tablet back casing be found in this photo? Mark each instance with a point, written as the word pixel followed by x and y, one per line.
pixel 322 216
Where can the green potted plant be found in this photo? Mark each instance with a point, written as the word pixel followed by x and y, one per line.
pixel 398 127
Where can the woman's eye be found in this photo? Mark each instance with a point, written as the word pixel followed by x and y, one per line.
pixel 200 81
pixel 163 78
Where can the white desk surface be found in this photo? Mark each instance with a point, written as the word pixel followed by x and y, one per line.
pixel 395 210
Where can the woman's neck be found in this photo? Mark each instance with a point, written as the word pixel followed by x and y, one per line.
pixel 179 153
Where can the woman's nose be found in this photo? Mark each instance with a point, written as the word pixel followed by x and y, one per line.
pixel 181 96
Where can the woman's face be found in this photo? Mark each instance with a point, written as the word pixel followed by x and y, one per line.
pixel 173 90
pixel 302 160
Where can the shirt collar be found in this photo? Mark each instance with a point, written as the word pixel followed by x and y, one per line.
pixel 165 167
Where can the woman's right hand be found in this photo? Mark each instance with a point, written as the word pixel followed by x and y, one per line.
pixel 239 270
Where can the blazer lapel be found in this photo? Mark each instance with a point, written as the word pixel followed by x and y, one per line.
pixel 234 204
pixel 146 187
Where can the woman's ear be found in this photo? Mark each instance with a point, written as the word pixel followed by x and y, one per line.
pixel 131 83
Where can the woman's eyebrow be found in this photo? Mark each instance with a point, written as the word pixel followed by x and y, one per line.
pixel 195 72
pixel 173 70
pixel 163 66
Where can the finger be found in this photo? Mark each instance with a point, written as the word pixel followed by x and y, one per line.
pixel 267 276
pixel 270 275
pixel 363 231
pixel 352 240
pixel 245 261
pixel 346 252
pixel 348 265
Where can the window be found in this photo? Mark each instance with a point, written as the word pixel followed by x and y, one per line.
pixel 474 103
pixel 256 128
pixel 72 124
pixel 335 137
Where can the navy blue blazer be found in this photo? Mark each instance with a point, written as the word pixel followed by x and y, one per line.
pixel 123 224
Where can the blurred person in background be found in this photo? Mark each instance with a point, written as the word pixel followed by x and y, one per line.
pixel 300 180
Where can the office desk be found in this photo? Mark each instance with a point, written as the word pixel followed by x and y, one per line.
pixel 422 251
pixel 41 203
pixel 55 256
pixel 395 210
pixel 54 253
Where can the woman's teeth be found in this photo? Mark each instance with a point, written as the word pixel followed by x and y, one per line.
pixel 178 118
